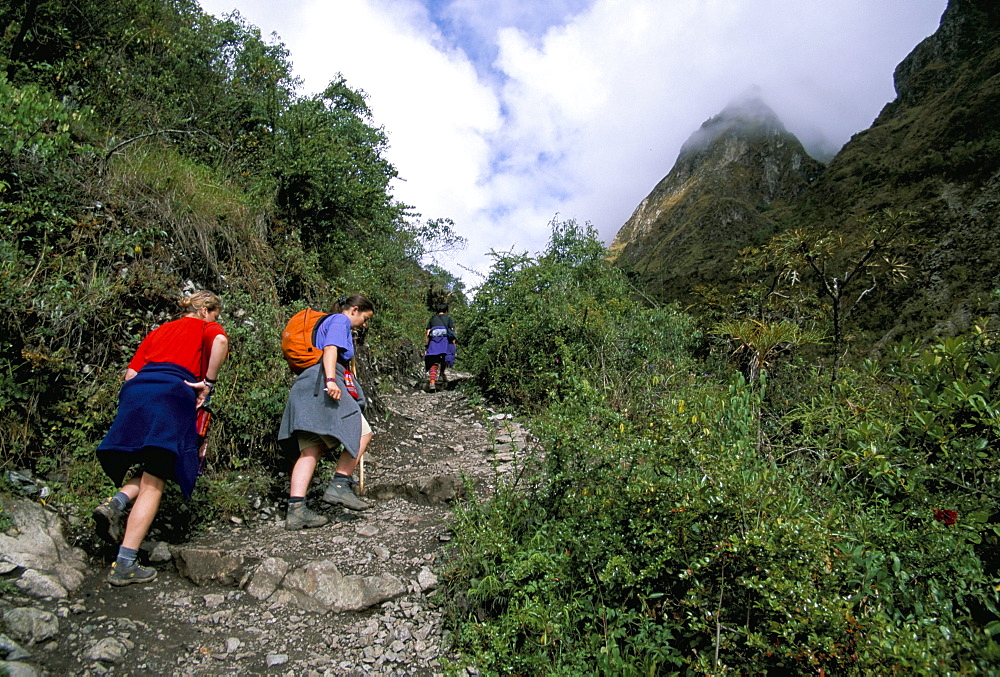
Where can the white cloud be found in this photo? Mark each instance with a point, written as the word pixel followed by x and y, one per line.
pixel 502 114
pixel 613 93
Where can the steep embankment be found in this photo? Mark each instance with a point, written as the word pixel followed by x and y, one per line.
pixel 352 596
pixel 934 150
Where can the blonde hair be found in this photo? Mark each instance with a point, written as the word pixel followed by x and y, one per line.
pixel 199 300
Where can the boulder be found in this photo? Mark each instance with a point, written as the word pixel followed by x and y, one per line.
pixel 267 577
pixel 37 546
pixel 203 566
pixel 321 586
pixel 31 625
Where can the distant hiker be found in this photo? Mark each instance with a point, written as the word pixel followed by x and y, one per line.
pixel 441 340
pixel 172 374
pixel 323 409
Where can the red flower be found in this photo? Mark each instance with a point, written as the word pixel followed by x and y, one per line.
pixel 946 517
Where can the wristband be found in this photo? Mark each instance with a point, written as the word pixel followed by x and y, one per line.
pixel 330 379
pixel 211 381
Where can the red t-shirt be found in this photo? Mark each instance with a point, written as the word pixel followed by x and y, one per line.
pixel 186 342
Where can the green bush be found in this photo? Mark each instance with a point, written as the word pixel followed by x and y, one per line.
pixel 544 328
pixel 684 521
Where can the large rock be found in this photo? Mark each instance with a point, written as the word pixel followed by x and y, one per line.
pixel 267 577
pixel 203 566
pixel 31 625
pixel 11 650
pixel 37 548
pixel 435 490
pixel 319 586
pixel 109 650
pixel 18 669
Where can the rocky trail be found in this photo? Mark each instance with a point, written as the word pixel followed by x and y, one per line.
pixel 248 597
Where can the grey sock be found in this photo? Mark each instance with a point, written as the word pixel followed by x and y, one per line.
pixel 120 500
pixel 127 556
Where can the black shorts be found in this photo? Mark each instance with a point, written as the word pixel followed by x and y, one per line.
pixel 118 465
pixel 431 360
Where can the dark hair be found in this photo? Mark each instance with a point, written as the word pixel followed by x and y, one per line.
pixel 441 307
pixel 343 303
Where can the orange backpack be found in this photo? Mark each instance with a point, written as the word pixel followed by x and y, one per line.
pixel 298 340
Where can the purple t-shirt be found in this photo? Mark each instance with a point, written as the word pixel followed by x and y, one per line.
pixel 336 331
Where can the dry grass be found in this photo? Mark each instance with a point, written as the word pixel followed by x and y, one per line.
pixel 209 223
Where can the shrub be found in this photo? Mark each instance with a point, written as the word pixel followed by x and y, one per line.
pixel 687 522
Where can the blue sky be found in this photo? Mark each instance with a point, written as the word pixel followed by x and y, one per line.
pixel 505 114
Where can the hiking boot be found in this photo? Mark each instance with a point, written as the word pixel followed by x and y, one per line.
pixel 431 387
pixel 301 517
pixel 339 493
pixel 108 521
pixel 127 575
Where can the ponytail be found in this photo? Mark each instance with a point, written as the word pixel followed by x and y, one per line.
pixel 199 300
pixel 343 303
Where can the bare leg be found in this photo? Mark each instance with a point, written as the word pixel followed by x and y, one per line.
pixel 131 488
pixel 347 463
pixel 302 471
pixel 147 503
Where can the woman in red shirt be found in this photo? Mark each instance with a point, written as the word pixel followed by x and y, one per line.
pixel 172 374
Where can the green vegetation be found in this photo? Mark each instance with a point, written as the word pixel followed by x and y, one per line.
pixel 557 326
pixel 722 494
pixel 684 519
pixel 147 148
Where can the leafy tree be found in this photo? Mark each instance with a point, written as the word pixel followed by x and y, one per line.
pixel 148 147
pixel 333 179
pixel 840 268
pixel 436 236
pixel 562 324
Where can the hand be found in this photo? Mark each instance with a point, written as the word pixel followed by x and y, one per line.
pixel 333 390
pixel 202 390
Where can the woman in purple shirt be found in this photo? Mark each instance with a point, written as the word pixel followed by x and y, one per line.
pixel 322 411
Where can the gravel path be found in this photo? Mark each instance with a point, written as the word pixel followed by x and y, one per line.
pixel 431 448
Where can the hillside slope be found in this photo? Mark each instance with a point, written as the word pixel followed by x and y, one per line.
pixel 934 150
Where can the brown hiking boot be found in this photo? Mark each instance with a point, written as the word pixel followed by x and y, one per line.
pixel 301 517
pixel 108 521
pixel 339 493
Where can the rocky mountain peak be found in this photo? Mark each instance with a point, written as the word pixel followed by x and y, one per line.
pixel 968 28
pixel 747 117
pixel 717 196
pixel 933 151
